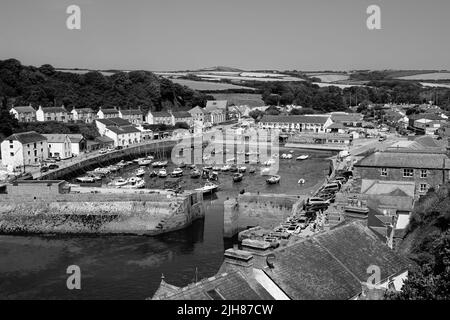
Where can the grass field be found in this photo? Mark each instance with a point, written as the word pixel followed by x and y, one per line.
pixel 207 86
pixel 249 99
pixel 329 77
pixel 428 76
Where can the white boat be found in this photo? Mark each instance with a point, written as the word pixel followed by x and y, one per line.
pixel 159 164
pixel 225 168
pixel 103 171
pixel 85 179
pixel 209 187
pixel 242 169
pixel 121 164
pixel 96 177
pixel 118 182
pixel 162 173
pixel 177 172
pixel 269 162
pixel 303 157
pixel 140 172
pixel 289 156
pixel 283 156
pixel 273 179
pixel 134 183
pixel 301 181
pixel 144 162
pixel 138 159
pixel 265 171
pixel 216 168
pixel 113 168
pixel 150 157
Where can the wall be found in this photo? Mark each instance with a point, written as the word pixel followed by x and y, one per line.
pixel 251 210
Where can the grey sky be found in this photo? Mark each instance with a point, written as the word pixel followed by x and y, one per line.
pixel 249 34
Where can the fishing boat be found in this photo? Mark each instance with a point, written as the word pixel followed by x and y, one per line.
pixel 140 172
pixel 214 175
pixel 209 187
pixel 177 172
pixel 237 177
pixel 135 183
pixel 144 162
pixel 273 179
pixel 252 170
pixel 303 157
pixel 242 169
pixel 153 174
pixel 225 168
pixel 159 164
pixel 119 182
pixel 162 173
pixel 85 179
pixel 233 168
pixel 301 181
pixel 195 174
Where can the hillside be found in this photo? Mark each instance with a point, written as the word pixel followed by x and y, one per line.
pixel 24 85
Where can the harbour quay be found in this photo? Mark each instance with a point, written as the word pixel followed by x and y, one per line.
pixel 56 207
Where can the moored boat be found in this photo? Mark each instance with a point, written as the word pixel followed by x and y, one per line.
pixel 303 157
pixel 119 182
pixel 177 172
pixel 225 168
pixel 153 174
pixel 274 179
pixel 162 173
pixel 140 172
pixel 209 187
pixel 85 179
pixel 195 174
pixel 242 169
pixel 237 177
pixel 144 162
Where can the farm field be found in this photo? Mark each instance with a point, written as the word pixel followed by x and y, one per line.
pixel 207 86
pixel 428 76
pixel 249 99
pixel 329 77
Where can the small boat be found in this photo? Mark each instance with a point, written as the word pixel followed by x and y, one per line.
pixel 85 179
pixel 231 160
pixel 214 176
pixel 225 168
pixel 129 163
pixel 144 162
pixel 102 171
pixel 273 179
pixel 118 182
pixel 182 165
pixel 208 167
pixel 289 156
pixel 205 173
pixel 233 168
pixel 209 187
pixel 303 157
pixel 301 181
pixel 162 173
pixel 159 164
pixel 95 176
pixel 150 157
pixel 121 164
pixel 138 159
pixel 177 172
pixel 242 169
pixel 237 177
pixel 269 162
pixel 252 170
pixel 140 172
pixel 195 174
pixel 135 183
pixel 153 174
pixel 265 171
pixel 192 166
pixel 216 168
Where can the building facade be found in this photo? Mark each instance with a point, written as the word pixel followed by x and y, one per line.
pixel 296 123
pixel 182 116
pixel 59 114
pixel 161 117
pixel 107 113
pixel 134 116
pixel 24 114
pixel 86 115
pixel 24 149
pixel 59 146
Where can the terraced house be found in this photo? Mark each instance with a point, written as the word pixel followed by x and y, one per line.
pixel 183 116
pixel 24 114
pixel 122 132
pixel 425 169
pixel 86 115
pixel 24 149
pixel 59 114
pixel 296 124
pixel 107 113
pixel 162 117
pixel 134 116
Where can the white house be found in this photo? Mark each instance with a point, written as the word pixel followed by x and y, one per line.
pixel 59 114
pixel 134 116
pixel 123 136
pixel 101 124
pixel 24 149
pixel 59 146
pixel 107 113
pixel 24 114
pixel 217 111
pixel 161 117
pixel 296 123
pixel 86 115
pixel 77 143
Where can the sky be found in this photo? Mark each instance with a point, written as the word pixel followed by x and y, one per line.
pixel 164 35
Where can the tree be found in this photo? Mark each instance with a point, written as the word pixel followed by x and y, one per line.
pixel 256 114
pixel 182 125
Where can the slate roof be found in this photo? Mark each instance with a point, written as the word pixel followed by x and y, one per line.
pixel 75 137
pixel 110 111
pixel 56 138
pixel 230 285
pixel 295 119
pixel 428 116
pixel 392 188
pixel 333 264
pixel 351 117
pixel 27 137
pixel 182 114
pixel 83 110
pixel 196 109
pixel 392 159
pixel 54 110
pixel 114 121
pixel 104 139
pixel 130 112
pixel 336 125
pixel 24 109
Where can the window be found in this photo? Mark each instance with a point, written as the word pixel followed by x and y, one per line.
pixel 11 146
pixel 384 172
pixel 423 187
pixel 408 173
pixel 11 154
pixel 423 173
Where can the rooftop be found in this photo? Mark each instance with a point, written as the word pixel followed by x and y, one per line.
pixel 392 188
pixel 333 264
pixel 130 112
pixel 114 122
pixel 196 109
pixel 24 109
pixel 56 137
pixel 393 159
pixel 27 137
pixel 216 104
pixel 54 109
pixel 161 114
pixel 317 119
pixel 123 129
pixel 181 114
pixel 109 111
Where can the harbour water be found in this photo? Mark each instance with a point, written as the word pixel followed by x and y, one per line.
pixel 130 267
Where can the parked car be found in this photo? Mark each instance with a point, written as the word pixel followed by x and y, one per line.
pixel 103 151
pixel 44 169
pixel 381 138
pixel 53 166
